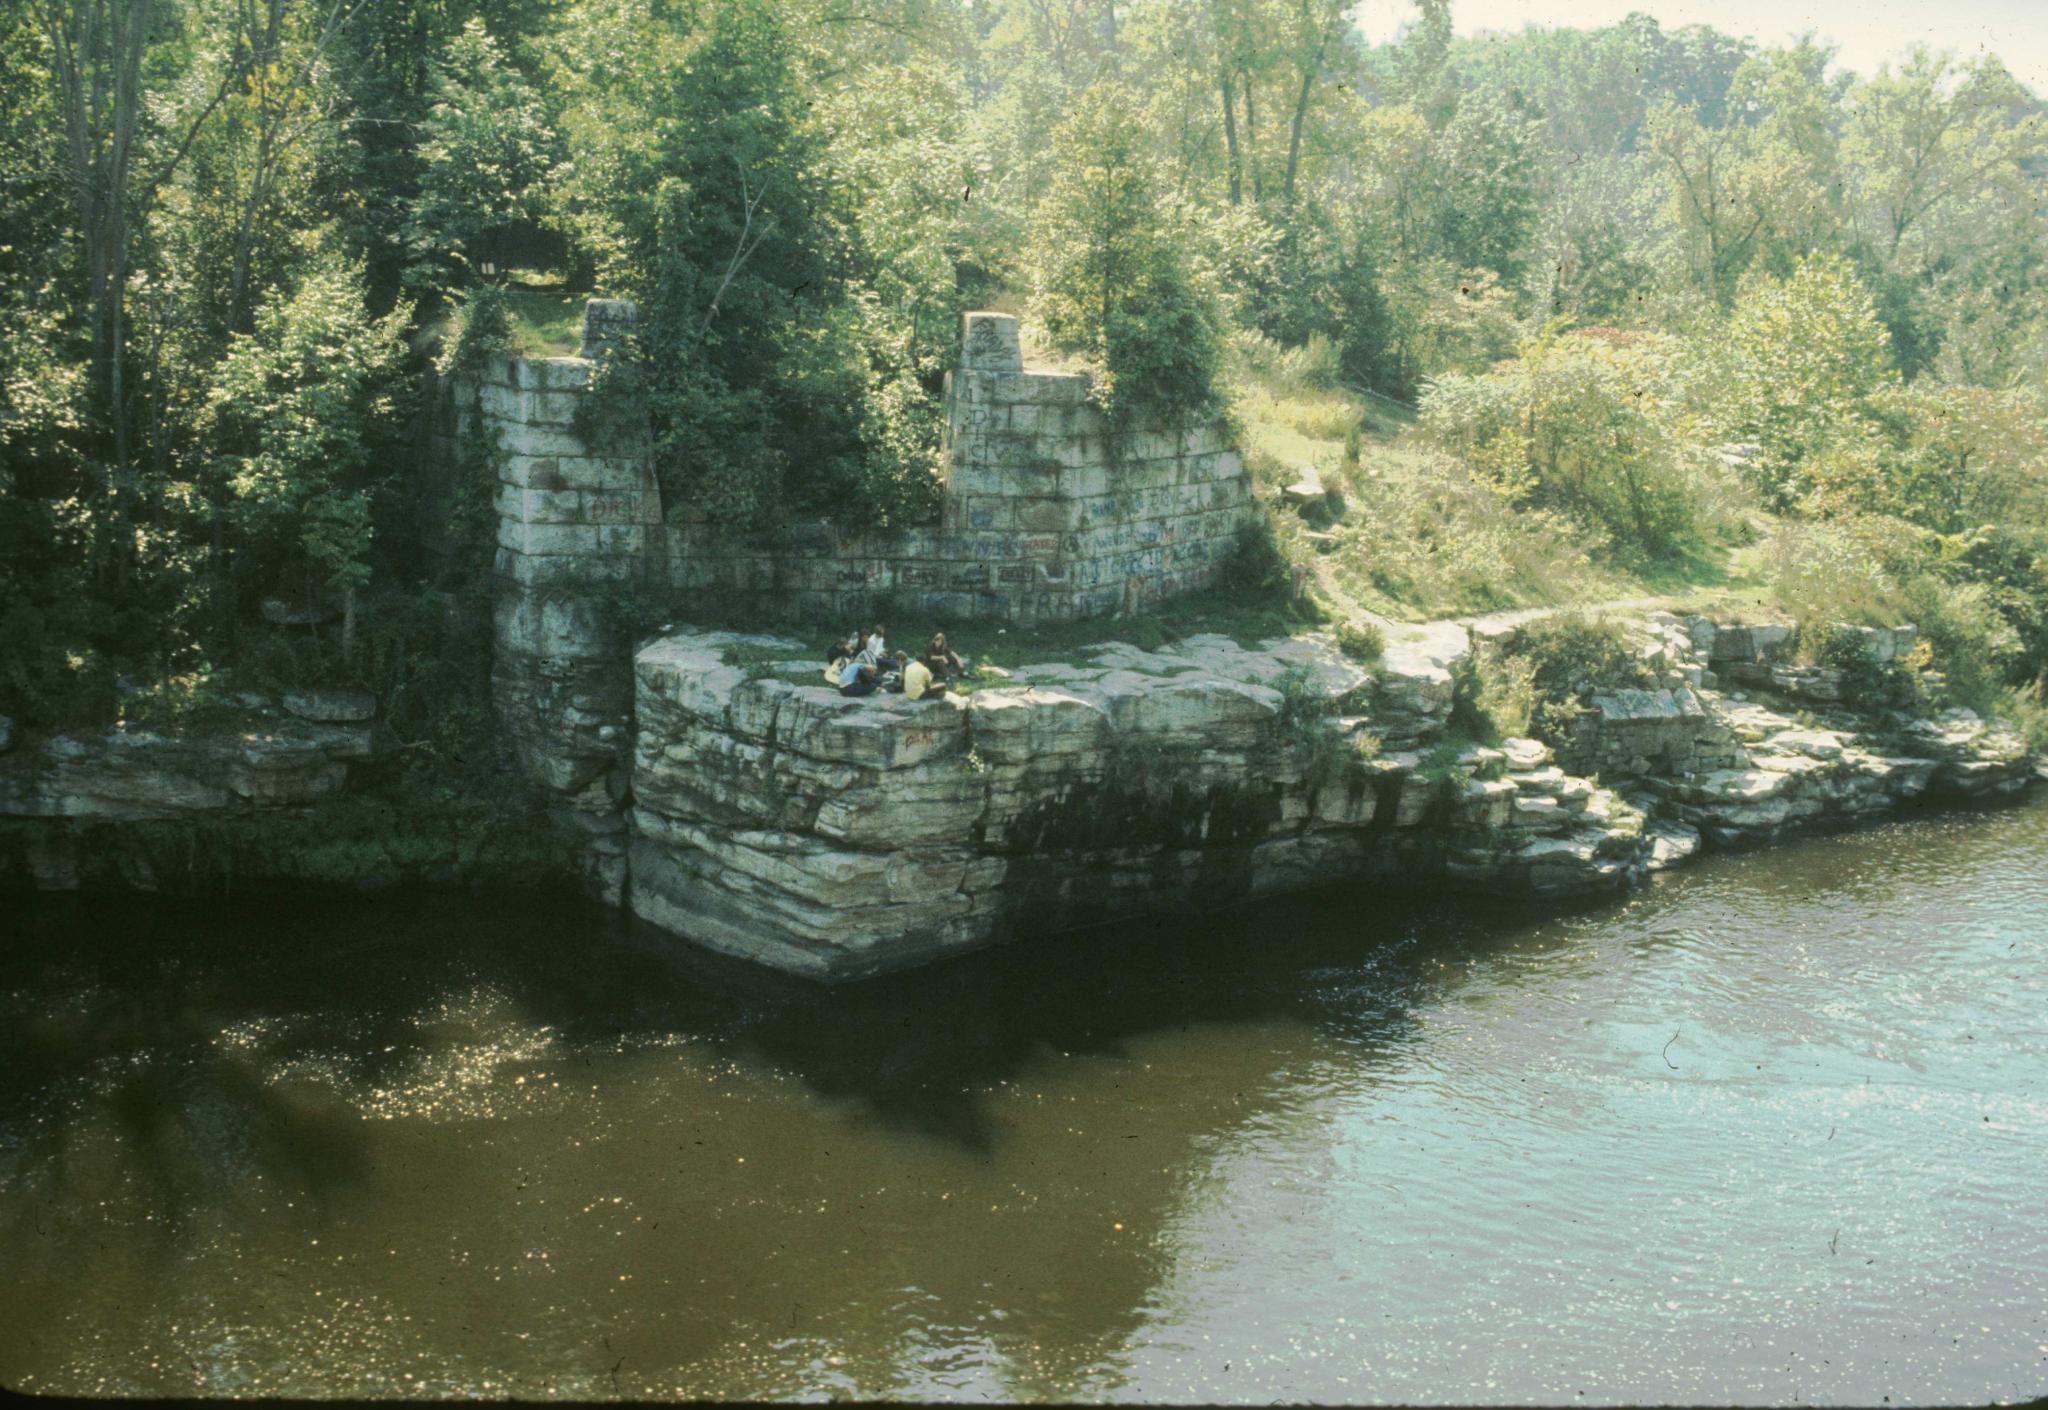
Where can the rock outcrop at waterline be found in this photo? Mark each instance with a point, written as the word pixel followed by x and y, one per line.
pixel 836 837
pixel 268 760
pixel 762 814
pixel 774 819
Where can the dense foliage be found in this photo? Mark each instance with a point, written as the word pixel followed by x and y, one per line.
pixel 1650 289
pixel 1111 284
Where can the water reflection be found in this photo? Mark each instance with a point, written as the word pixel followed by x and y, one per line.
pixel 465 1112
pixel 429 1145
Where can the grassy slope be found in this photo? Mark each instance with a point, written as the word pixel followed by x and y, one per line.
pixel 1410 535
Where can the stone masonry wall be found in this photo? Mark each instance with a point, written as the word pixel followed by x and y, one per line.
pixel 1038 525
pixel 579 525
pixel 1044 518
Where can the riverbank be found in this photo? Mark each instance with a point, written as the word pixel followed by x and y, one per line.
pixel 264 792
pixel 761 814
pixel 775 820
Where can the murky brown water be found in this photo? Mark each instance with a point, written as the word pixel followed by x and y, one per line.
pixel 1774 1129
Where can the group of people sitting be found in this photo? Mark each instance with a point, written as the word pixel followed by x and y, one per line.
pixel 863 664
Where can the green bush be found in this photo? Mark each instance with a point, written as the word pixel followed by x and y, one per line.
pixel 1794 370
pixel 1363 642
pixel 1256 566
pixel 1973 647
pixel 1493 696
pixel 480 328
pixel 2027 708
pixel 1873 570
pixel 1574 425
pixel 1866 681
pixel 1570 654
pixel 1534 681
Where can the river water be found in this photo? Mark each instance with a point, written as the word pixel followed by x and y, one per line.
pixel 1775 1128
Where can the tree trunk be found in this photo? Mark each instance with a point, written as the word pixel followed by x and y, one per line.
pixel 1236 166
pixel 1308 79
pixel 1251 137
pixel 1310 71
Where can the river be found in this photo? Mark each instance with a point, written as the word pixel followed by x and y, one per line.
pixel 1775 1128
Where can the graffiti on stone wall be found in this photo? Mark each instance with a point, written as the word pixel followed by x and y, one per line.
pixel 615 508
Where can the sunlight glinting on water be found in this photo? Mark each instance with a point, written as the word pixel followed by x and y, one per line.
pixel 1772 1128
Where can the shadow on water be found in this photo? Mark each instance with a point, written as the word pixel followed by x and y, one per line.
pixel 156 1017
pixel 212 1114
pixel 207 1062
pixel 918 1047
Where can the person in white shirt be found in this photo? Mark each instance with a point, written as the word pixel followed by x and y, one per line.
pixel 874 652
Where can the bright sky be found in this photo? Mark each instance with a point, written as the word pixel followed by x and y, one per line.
pixel 1867 32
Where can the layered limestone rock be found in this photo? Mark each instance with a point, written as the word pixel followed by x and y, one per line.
pixel 1787 774
pixel 777 820
pixel 271 761
pixel 127 775
pixel 1786 752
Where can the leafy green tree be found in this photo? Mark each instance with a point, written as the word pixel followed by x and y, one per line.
pixel 1110 284
pixel 768 374
pixel 487 150
pixel 1961 460
pixel 1942 168
pixel 1575 423
pixel 1593 254
pixel 300 421
pixel 1490 191
pixel 1424 79
pixel 1795 369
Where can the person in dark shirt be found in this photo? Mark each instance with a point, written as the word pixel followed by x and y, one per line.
pixel 941 660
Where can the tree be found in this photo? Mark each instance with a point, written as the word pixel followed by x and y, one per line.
pixel 1489 197
pixel 705 169
pixel 298 423
pixel 487 149
pixel 1797 365
pixel 121 152
pixel 1317 29
pixel 1423 77
pixel 1943 168
pixel 1593 254
pixel 1110 283
pixel 1709 186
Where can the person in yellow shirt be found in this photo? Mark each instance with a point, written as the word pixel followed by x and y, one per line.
pixel 917 678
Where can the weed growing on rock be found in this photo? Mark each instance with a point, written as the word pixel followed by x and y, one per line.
pixel 1868 684
pixel 1537 678
pixel 1361 641
pixel 759 662
pixel 1493 695
pixel 1256 565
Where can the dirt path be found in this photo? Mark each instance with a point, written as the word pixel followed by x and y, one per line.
pixel 1490 623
